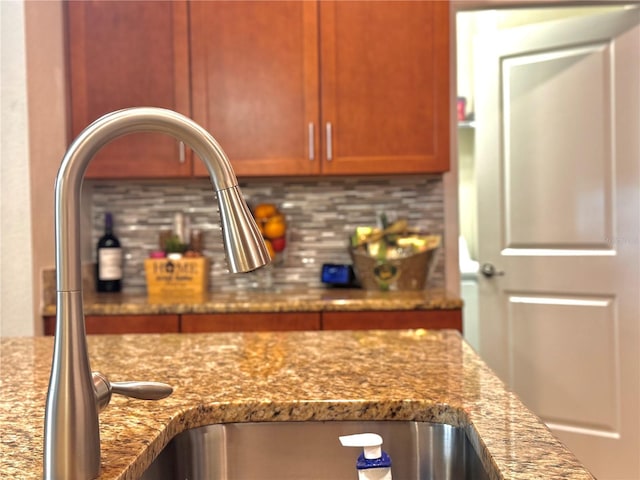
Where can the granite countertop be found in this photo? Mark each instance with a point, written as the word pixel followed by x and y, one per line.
pixel 241 377
pixel 290 300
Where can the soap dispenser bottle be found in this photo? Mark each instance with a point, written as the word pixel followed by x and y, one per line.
pixel 373 463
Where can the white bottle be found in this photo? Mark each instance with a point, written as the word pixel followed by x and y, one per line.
pixel 373 463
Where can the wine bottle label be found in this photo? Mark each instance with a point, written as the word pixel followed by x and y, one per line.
pixel 110 264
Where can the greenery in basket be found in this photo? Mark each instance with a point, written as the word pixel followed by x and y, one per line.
pixel 174 245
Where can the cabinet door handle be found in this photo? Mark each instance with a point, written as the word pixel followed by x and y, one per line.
pixel 181 152
pixel 312 146
pixel 329 142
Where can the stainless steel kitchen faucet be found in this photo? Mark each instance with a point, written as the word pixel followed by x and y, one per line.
pixel 71 433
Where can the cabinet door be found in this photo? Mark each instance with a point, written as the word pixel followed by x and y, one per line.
pixel 120 324
pixel 250 322
pixel 385 86
pixel 129 54
pixel 395 319
pixel 255 83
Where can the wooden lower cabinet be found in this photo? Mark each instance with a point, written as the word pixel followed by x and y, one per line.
pixel 268 321
pixel 393 319
pixel 250 322
pixel 119 324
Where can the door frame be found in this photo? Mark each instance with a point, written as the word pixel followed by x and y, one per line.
pixel 451 178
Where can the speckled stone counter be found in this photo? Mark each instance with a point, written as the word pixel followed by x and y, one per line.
pixel 307 300
pixel 420 375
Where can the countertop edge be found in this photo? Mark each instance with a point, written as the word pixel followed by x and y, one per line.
pixel 318 300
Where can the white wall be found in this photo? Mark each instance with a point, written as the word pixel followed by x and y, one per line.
pixel 46 89
pixel 33 128
pixel 16 290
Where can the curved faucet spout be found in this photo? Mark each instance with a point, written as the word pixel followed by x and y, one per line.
pixel 72 441
pixel 244 254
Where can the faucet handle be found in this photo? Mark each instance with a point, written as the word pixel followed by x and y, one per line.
pixel 141 390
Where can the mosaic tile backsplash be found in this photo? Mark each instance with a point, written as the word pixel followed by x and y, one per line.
pixel 321 215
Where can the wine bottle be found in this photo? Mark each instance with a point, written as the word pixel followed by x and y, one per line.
pixel 109 265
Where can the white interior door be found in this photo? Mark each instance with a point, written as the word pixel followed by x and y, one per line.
pixel 558 156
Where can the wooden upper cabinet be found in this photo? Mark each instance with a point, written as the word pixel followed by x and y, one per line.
pixel 385 86
pixel 254 67
pixel 332 87
pixel 128 54
pixel 286 87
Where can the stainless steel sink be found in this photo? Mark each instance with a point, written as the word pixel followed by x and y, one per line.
pixel 312 451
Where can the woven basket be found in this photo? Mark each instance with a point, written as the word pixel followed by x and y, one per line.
pixel 409 273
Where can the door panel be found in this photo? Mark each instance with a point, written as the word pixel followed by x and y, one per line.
pixel 540 152
pixel 384 86
pixel 392 319
pixel 555 379
pixel 557 125
pixel 255 83
pixel 107 74
pixel 250 322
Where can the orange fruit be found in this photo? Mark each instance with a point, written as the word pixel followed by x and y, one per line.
pixel 275 227
pixel 272 252
pixel 265 210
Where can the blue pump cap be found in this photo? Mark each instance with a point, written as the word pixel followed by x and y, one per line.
pixel 373 456
pixel 364 463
